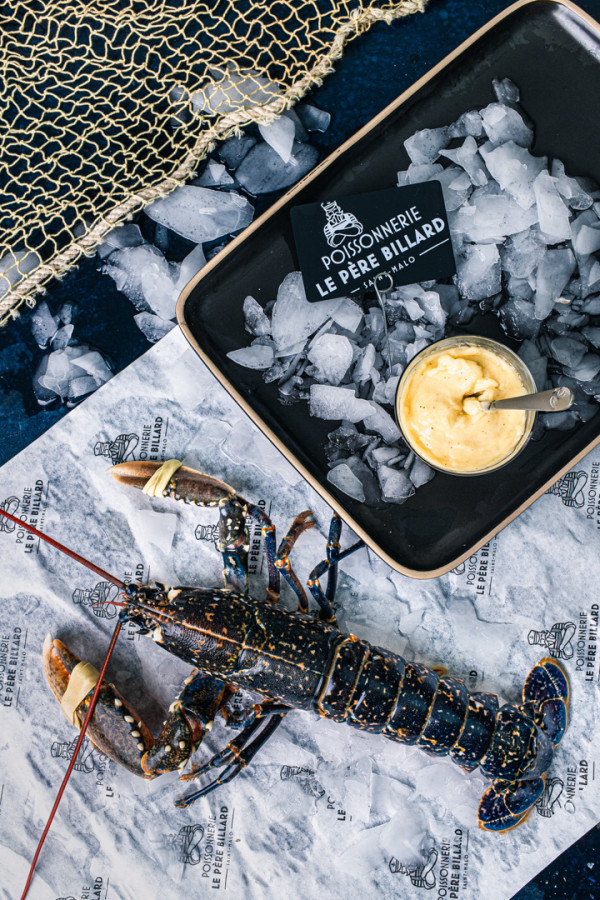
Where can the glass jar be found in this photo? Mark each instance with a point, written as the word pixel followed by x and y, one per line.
pixel 476 436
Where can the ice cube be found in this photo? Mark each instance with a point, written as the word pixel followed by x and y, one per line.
pixel 385 391
pixel 345 480
pixel 570 188
pixel 365 363
pixel 313 118
pixel 280 134
pixel 492 217
pixel 502 123
pixel 80 387
pixel 553 273
pixel 234 149
pixel 332 355
pixel 467 156
pixel 506 91
pixel 263 170
pixel 294 319
pixel 190 266
pixel 592 333
pixel 456 186
pixel 396 486
pixel 536 363
pixel 58 373
pixel 160 293
pixel 385 456
pixel 123 236
pixel 127 266
pixel 256 320
pixel 518 319
pixel 424 146
pixel 515 170
pixel 43 324
pixel 62 337
pixel 430 303
pixel 214 175
pixel 521 253
pixel 95 365
pixel 367 479
pixel 153 327
pixel 567 350
pixel 347 313
pixel 256 356
pixel 425 172
pixel 470 123
pixel 478 271
pixel 553 214
pixel 200 214
pixel 586 369
pixel 416 347
pixel 327 402
pixel 382 423
pixel 586 233
pixel 420 472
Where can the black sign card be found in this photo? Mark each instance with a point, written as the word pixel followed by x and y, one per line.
pixel 344 244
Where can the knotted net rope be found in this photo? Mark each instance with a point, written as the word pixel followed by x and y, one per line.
pixel 109 104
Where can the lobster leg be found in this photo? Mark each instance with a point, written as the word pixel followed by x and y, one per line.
pixel 301 523
pixel 190 718
pixel 505 804
pixel 334 556
pixel 239 751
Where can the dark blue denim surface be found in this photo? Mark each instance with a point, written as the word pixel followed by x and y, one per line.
pixel 375 68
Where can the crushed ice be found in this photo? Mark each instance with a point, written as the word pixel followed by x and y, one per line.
pixel 525 235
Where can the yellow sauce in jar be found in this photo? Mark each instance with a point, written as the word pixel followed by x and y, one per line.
pixel 440 414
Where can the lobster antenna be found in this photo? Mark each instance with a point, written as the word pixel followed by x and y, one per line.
pixel 80 559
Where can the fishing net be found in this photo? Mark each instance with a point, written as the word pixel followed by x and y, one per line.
pixel 109 104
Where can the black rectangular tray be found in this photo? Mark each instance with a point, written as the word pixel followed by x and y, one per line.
pixel 551 50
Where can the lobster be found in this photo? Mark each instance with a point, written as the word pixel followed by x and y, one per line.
pixel 297 660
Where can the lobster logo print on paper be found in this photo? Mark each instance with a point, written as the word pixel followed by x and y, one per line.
pixel 553 788
pixel 421 876
pixel 86 759
pixel 186 843
pixel 340 225
pixel 207 533
pixel 558 639
pixel 570 489
pixel 98 599
pixel 10 505
pixel 119 450
pixel 304 778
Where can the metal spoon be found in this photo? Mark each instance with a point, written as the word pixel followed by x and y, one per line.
pixel 544 401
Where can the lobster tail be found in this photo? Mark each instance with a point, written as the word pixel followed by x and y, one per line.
pixel 544 714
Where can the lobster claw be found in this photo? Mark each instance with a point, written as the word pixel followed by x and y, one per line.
pixel 177 481
pixel 180 483
pixel 115 728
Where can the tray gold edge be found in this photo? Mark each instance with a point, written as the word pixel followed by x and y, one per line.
pixel 323 165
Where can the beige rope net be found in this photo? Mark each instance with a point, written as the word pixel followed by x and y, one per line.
pixel 108 104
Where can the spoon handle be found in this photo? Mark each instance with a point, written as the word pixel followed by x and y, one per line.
pixel 545 401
